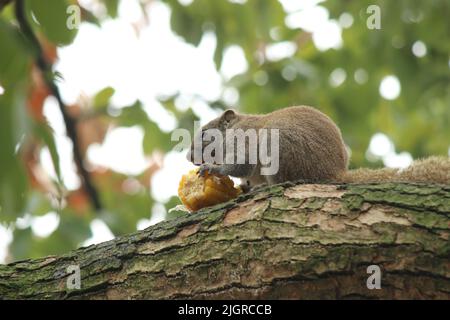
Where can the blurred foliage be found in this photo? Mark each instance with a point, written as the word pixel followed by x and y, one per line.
pixel 418 121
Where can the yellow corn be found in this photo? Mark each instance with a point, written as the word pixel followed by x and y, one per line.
pixel 197 192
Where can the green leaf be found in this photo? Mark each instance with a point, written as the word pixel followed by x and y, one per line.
pixel 38 203
pixel 185 24
pixel 14 59
pixel 124 209
pixel 132 115
pixel 20 248
pixel 52 17
pixel 219 51
pixel 154 138
pixel 112 7
pixel 102 98
pixel 45 132
pixel 88 16
pixel 13 127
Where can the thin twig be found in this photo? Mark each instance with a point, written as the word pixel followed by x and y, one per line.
pixel 47 73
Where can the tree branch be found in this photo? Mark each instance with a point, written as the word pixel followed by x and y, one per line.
pixel 280 242
pixel 70 123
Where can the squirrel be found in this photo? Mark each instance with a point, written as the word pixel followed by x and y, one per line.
pixel 311 149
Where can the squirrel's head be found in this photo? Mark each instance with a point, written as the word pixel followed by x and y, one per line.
pixel 221 123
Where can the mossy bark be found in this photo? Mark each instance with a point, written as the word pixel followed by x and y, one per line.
pixel 285 241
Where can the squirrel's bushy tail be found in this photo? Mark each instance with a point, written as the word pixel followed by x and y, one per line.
pixel 429 170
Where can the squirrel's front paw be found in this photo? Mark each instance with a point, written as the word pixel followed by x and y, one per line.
pixel 205 167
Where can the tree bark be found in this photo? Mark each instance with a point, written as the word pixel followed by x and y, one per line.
pixel 281 242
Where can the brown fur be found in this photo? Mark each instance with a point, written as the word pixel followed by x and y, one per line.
pixel 433 169
pixel 312 149
pixel 311 146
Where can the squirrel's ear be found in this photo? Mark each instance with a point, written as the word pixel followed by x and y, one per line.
pixel 228 115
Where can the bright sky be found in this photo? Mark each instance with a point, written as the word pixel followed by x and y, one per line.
pixel 158 62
